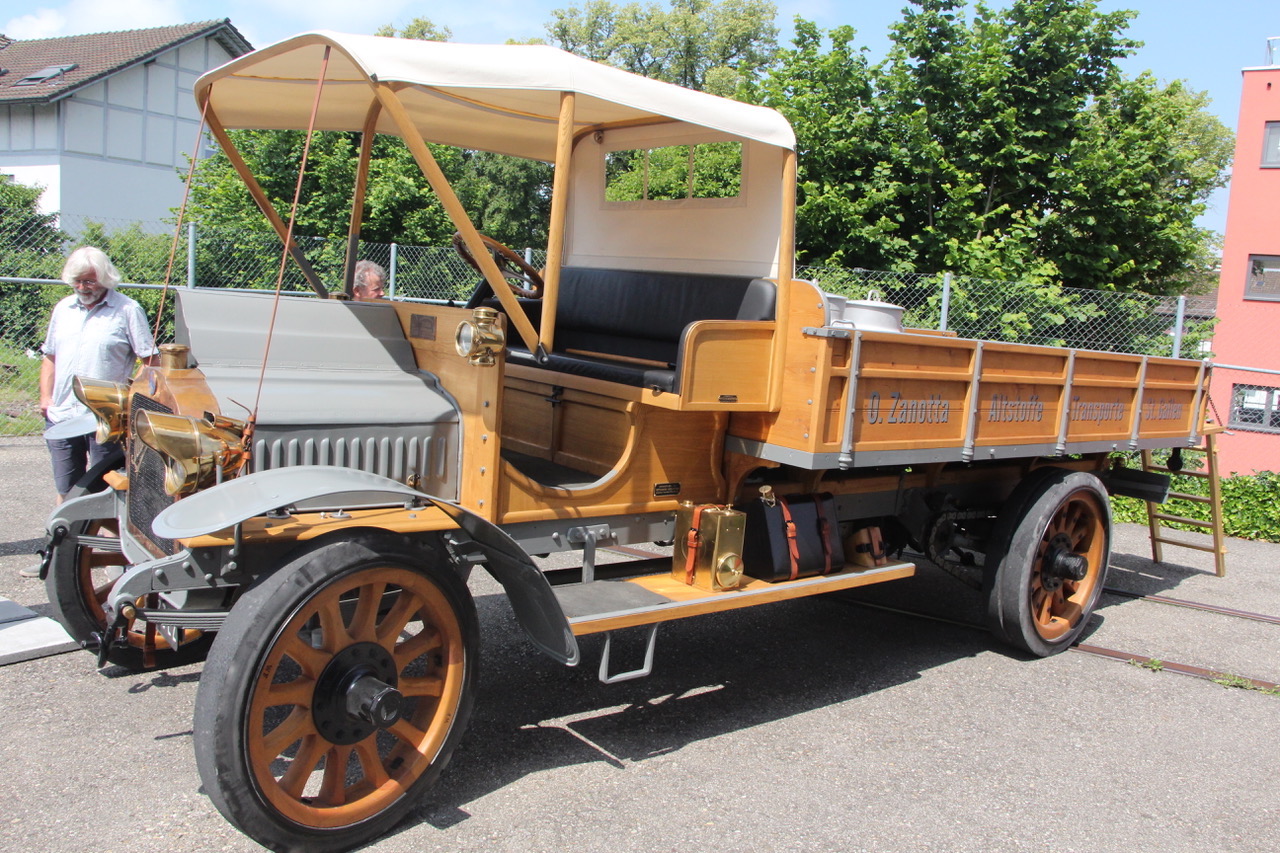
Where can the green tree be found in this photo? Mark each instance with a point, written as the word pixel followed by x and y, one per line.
pixel 506 197
pixel 31 246
pixel 700 44
pixel 417 28
pixel 1009 146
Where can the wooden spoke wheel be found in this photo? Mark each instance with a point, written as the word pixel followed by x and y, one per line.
pixel 84 567
pixel 335 693
pixel 1047 561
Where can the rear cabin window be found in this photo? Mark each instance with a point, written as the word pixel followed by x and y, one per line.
pixel 707 170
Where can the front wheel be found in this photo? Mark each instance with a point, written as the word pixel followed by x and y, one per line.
pixel 335 693
pixel 1050 550
pixel 82 569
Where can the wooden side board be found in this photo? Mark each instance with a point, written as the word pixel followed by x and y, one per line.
pixel 941 397
pixel 665 457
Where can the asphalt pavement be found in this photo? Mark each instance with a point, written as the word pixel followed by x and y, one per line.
pixel 811 725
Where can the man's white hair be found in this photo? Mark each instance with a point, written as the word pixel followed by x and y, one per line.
pixel 90 259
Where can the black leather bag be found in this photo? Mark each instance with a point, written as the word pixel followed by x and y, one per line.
pixel 791 537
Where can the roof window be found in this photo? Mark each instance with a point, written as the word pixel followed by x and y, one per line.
pixel 46 73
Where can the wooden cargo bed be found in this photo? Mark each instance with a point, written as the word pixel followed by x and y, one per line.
pixel 857 399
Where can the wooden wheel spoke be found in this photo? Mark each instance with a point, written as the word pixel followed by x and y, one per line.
pixel 294 780
pixel 364 621
pixel 426 640
pixel 333 628
pixel 296 726
pixel 298 692
pixel 311 660
pixel 1068 611
pixel 1043 606
pixel 422 686
pixel 375 773
pixel 409 733
pixel 397 617
pixel 333 789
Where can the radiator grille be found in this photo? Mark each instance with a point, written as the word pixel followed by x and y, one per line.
pixel 146 496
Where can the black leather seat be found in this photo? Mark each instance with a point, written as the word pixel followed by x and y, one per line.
pixel 640 315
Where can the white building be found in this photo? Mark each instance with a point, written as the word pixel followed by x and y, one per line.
pixel 103 122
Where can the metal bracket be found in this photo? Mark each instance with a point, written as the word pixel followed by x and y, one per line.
pixel 606 678
pixel 825 332
pixel 587 537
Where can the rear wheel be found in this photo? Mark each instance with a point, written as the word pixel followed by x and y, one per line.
pixel 335 693
pixel 1050 550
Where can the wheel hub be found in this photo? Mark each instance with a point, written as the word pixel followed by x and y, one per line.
pixel 356 694
pixel 1062 563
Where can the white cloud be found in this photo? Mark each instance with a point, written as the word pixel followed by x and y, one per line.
pixel 43 23
pixel 93 16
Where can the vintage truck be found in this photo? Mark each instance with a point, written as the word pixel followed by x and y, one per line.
pixel 308 481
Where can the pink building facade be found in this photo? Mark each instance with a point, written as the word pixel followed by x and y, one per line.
pixel 1248 331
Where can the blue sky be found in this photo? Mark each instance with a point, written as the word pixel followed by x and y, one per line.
pixel 1205 42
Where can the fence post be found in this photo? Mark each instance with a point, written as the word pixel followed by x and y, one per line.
pixel 946 301
pixel 191 254
pixel 391 273
pixel 1177 326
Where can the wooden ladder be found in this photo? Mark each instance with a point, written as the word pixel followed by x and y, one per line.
pixel 1155 517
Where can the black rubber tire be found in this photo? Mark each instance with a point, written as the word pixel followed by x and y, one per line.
pixel 1023 610
pixel 243 759
pixel 77 596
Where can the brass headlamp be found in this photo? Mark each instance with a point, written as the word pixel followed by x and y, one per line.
pixel 109 403
pixel 197 451
pixel 478 339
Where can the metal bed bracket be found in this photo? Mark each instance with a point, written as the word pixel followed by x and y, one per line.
pixel 643 671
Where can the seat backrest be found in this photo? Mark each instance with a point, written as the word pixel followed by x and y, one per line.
pixel 656 306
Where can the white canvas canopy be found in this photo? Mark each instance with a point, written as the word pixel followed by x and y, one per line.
pixel 502 98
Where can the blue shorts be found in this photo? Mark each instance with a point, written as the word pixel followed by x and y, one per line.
pixel 72 457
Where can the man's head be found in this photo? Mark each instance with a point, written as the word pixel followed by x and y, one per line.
pixel 91 274
pixel 370 282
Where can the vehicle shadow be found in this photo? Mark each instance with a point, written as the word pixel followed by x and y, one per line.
pixel 713 675
pixel 1144 576
pixel 21 547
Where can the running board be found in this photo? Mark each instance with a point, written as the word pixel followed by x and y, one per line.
pixel 609 605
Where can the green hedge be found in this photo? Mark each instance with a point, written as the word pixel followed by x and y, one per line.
pixel 1250 505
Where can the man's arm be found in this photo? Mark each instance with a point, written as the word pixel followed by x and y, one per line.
pixel 46 385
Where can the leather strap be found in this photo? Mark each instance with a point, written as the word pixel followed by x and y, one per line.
pixel 824 530
pixel 694 541
pixel 789 526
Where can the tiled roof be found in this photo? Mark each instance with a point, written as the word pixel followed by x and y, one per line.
pixel 97 55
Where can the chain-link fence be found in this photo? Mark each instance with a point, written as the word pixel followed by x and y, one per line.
pixel 1043 314
pixel 31 261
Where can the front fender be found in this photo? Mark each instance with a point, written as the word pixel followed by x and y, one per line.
pixel 252 495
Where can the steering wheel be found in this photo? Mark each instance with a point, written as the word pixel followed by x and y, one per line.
pixel 521 277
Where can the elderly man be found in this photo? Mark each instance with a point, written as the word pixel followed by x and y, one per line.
pixel 370 282
pixel 95 332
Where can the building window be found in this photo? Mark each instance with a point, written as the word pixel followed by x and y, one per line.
pixel 1264 278
pixel 1255 408
pixel 1271 144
